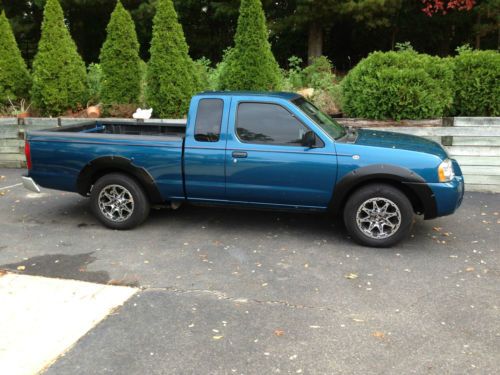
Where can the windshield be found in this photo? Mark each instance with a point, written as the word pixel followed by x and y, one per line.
pixel 329 125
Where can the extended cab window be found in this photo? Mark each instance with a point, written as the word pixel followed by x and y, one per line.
pixel 208 120
pixel 269 124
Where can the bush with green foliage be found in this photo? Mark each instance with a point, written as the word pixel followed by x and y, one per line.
pixel 172 77
pixel 399 85
pixel 205 73
pixel 477 83
pixel 59 74
pixel 15 80
pixel 318 76
pixel 251 65
pixel 120 62
pixel 94 80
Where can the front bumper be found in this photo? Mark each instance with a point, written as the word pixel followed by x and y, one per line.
pixel 439 199
pixel 448 195
pixel 31 185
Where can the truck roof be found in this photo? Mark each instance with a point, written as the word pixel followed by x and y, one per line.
pixel 282 95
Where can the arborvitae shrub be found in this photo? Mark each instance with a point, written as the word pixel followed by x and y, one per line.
pixel 120 62
pixel 59 74
pixel 251 64
pixel 94 81
pixel 477 81
pixel 399 85
pixel 172 78
pixel 15 80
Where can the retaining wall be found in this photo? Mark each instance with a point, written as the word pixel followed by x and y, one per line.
pixel 473 141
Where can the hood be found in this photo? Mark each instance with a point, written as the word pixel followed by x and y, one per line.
pixel 399 141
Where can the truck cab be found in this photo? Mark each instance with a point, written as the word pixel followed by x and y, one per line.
pixel 259 150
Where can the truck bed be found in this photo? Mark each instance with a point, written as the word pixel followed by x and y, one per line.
pixel 61 154
pixel 136 128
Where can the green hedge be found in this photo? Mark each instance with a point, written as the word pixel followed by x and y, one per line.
pixel 399 85
pixel 477 83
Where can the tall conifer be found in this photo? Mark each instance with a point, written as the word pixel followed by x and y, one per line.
pixel 15 80
pixel 172 77
pixel 251 64
pixel 59 75
pixel 120 62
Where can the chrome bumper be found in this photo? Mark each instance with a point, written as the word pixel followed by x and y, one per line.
pixel 31 185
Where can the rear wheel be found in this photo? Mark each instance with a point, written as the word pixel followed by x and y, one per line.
pixel 378 215
pixel 119 202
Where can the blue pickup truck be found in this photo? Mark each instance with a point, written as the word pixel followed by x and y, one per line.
pixel 260 150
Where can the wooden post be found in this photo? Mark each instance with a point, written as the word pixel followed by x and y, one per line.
pixel 447 140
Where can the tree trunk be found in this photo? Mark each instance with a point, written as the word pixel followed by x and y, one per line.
pixel 393 37
pixel 315 42
pixel 478 31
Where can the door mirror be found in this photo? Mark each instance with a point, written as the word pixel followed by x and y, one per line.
pixel 309 139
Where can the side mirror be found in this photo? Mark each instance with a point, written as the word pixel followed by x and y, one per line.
pixel 309 139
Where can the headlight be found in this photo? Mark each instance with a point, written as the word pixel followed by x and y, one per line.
pixel 445 171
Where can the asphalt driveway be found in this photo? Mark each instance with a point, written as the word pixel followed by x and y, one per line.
pixel 248 292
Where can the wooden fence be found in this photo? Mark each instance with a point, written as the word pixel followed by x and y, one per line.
pixel 473 141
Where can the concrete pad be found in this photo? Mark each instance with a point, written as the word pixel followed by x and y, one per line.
pixel 41 318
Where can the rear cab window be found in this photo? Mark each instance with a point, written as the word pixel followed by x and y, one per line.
pixel 209 120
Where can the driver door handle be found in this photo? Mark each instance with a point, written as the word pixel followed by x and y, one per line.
pixel 240 154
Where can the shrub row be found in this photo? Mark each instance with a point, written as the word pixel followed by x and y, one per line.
pixel 390 85
pixel 409 85
pixel 121 79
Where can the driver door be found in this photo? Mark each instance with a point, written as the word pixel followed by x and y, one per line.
pixel 266 163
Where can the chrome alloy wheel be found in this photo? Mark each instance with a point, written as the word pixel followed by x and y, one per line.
pixel 378 218
pixel 116 203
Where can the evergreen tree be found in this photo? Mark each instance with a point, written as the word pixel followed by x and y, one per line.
pixel 172 77
pixel 251 64
pixel 59 75
pixel 121 79
pixel 15 80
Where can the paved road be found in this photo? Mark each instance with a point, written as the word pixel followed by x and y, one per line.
pixel 247 292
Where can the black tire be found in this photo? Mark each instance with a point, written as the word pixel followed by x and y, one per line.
pixel 371 197
pixel 133 208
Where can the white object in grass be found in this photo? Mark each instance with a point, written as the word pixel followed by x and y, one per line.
pixel 143 114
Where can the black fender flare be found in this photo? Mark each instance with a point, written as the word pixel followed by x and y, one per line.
pixel 384 172
pixel 116 164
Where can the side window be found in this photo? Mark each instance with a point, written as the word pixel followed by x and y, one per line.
pixel 268 124
pixel 208 120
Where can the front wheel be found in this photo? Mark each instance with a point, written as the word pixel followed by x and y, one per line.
pixel 119 202
pixel 378 215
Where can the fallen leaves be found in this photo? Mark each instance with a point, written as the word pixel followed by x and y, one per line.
pixel 378 335
pixel 21 268
pixel 469 269
pixel 351 276
pixel 217 337
pixel 279 332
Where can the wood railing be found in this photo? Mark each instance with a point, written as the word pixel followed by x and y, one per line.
pixel 473 141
